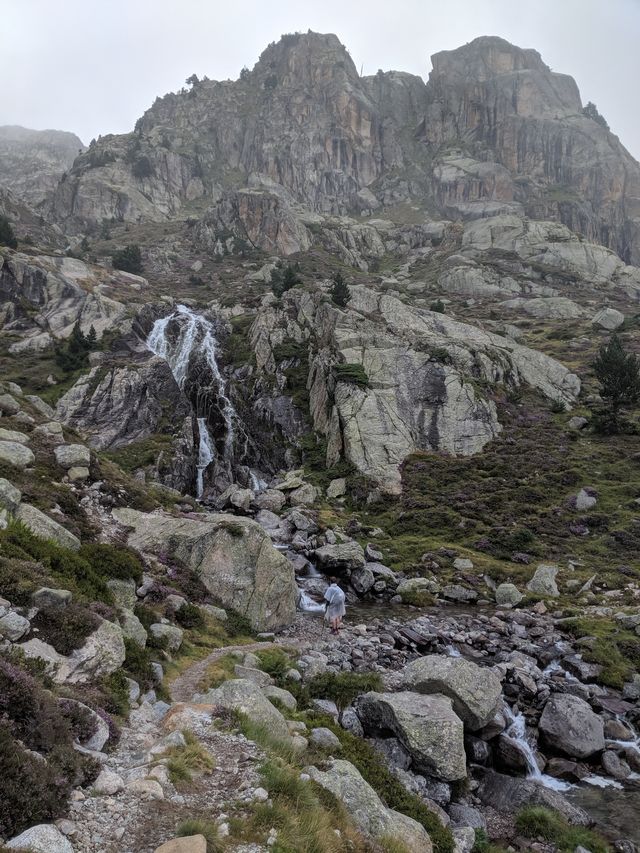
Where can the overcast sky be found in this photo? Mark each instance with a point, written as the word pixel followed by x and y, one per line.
pixel 94 66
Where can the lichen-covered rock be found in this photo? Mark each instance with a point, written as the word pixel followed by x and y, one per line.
pixel 426 726
pixel 340 557
pixel 233 556
pixel 16 454
pixel 13 626
pixel 10 497
pixel 475 691
pixel 171 635
pixel 569 725
pixel 46 528
pixel 508 593
pixel 102 653
pixel 543 582
pixel 608 318
pixel 366 808
pixel 247 698
pixel 72 455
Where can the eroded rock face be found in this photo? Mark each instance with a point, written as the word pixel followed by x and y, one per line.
pixel 366 808
pixel 233 556
pixel 475 691
pixel 426 726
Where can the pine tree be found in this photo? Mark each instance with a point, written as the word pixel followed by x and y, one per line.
pixel 619 375
pixel 340 292
pixel 283 278
pixel 7 237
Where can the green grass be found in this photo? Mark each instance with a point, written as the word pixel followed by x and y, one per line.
pixel 185 762
pixel 140 454
pixel 538 822
pixel 343 687
pixel 617 650
pixel 354 374
pixel 206 828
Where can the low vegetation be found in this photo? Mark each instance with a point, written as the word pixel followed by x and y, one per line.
pixel 537 822
pixel 189 760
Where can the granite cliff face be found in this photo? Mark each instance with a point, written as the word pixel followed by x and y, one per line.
pixel 32 161
pixel 492 131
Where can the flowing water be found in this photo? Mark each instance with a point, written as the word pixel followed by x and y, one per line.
pixel 187 342
pixel 516 732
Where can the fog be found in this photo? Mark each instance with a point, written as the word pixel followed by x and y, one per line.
pixel 93 67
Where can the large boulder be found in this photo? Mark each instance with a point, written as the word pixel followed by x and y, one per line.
pixel 343 556
pixel 508 593
pixel 10 497
pixel 475 691
pixel 426 726
pixel 509 794
pixel 608 318
pixel 366 808
pixel 233 556
pixel 569 725
pixel 72 456
pixel 16 454
pixel 246 697
pixel 46 528
pixel 543 582
pixel 44 838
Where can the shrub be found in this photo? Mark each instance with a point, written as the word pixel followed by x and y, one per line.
pixel 113 561
pixel 202 827
pixel 81 723
pixel 137 664
pixel 352 373
pixel 31 791
pixel 73 353
pixel 128 259
pixel 619 375
pixel 189 616
pixel 437 306
pixel 343 687
pixel 276 662
pixel 591 111
pixel 65 628
pixel 7 237
pixel 185 761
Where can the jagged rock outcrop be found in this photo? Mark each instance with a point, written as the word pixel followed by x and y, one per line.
pixel 494 131
pixel 510 108
pixel 32 161
pixel 42 297
pixel 233 556
pixel 409 381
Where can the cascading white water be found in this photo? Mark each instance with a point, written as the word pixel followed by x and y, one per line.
pixel 196 338
pixel 206 455
pixel 516 732
pixel 307 604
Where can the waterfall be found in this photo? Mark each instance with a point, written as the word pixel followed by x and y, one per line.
pixel 516 732
pixel 187 342
pixel 307 604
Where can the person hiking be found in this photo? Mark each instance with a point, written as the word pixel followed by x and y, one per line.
pixel 334 597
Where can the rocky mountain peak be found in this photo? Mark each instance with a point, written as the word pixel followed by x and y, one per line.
pixel 486 57
pixel 306 57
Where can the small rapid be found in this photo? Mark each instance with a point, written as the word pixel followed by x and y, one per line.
pixel 516 732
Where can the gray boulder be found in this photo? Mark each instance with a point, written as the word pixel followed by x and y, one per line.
pixel 608 318
pixel 16 454
pixel 585 501
pixel 426 726
pixel 288 700
pixel 475 691
pixel 340 557
pixel 247 698
pixel 9 405
pixel 102 654
pixel 132 628
pixel 337 488
pixel 169 633
pixel 72 456
pixel 233 556
pixel 47 597
pixel 46 528
pixel 543 582
pixel 362 580
pixel 44 838
pixel 366 808
pixel 569 725
pixel 13 626
pixel 325 739
pixel 508 593
pixel 272 500
pixel 10 497
pixel 509 794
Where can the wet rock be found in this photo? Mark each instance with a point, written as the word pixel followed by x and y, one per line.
pixel 569 725
pixel 616 730
pixel 426 726
pixel 562 768
pixel 475 691
pixel 614 765
pixel 509 794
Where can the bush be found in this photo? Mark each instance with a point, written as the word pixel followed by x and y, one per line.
pixel 202 827
pixel 31 791
pixel 65 628
pixel 352 373
pixel 340 292
pixel 343 687
pixel 437 306
pixel 189 616
pixel 7 237
pixel 276 662
pixel 137 665
pixel 113 561
pixel 128 259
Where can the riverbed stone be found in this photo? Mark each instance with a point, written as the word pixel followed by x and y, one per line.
pixel 569 725
pixel 475 691
pixel 426 726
